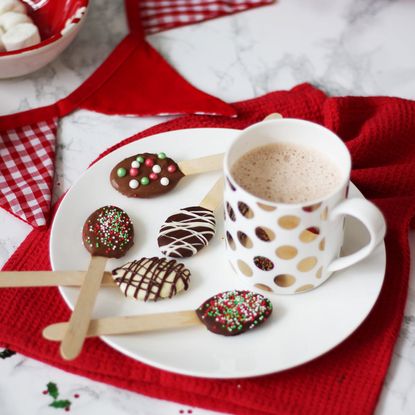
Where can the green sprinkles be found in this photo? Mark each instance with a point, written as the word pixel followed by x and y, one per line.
pixel 140 159
pixel 145 181
pixel 121 172
pixel 161 156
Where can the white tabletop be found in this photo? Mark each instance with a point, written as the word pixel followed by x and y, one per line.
pixel 344 47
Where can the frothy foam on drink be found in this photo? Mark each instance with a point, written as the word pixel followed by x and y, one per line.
pixel 286 173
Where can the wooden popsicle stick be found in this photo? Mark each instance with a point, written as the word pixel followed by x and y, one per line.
pixel 9 279
pixel 202 164
pixel 273 116
pixel 214 197
pixel 74 337
pixel 128 324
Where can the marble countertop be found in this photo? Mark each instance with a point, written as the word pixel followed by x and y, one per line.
pixel 357 47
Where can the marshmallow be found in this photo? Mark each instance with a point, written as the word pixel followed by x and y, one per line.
pixel 12 6
pixel 10 19
pixel 2 48
pixel 21 36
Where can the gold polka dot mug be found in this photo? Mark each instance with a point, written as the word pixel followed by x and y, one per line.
pixel 292 248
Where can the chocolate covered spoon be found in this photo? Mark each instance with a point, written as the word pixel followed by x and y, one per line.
pixel 190 229
pixel 107 233
pixel 146 175
pixel 228 313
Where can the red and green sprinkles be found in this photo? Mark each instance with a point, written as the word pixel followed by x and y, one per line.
pixel 234 312
pixel 149 161
pixel 110 230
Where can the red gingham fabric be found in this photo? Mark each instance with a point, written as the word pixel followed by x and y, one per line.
pixel 159 15
pixel 27 157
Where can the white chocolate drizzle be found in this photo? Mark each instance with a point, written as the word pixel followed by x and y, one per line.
pixel 186 232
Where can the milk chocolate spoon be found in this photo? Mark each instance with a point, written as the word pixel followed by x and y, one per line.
pixel 146 175
pixel 190 229
pixel 107 233
pixel 228 313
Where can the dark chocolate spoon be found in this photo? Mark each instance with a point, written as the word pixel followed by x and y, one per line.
pixel 228 313
pixel 190 229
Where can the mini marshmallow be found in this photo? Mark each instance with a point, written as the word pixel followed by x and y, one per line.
pixel 12 6
pixel 2 48
pixel 21 36
pixel 10 19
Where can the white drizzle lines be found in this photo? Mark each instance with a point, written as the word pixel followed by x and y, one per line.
pixel 186 232
pixel 152 278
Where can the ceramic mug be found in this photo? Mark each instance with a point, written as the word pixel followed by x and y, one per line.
pixel 291 248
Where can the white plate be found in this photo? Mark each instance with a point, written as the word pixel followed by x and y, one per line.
pixel 302 326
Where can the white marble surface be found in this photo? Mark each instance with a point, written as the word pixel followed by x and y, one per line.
pixel 345 47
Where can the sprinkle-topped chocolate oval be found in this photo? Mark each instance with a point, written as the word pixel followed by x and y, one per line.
pixel 108 232
pixel 186 232
pixel 152 278
pixel 157 174
pixel 234 312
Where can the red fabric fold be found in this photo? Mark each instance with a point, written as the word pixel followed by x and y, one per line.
pixel 347 380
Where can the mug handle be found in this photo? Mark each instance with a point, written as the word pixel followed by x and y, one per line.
pixel 370 216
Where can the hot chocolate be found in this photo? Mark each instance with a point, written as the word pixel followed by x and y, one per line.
pixel 286 173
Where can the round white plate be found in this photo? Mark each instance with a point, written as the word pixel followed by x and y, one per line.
pixel 302 326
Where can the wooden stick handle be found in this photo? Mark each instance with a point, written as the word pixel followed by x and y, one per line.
pixel 214 197
pixel 10 279
pixel 202 164
pixel 273 116
pixel 74 336
pixel 128 324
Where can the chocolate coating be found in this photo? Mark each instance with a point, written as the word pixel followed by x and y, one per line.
pixel 234 312
pixel 152 278
pixel 143 174
pixel 108 232
pixel 186 232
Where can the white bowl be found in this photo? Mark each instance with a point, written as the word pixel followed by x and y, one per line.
pixel 58 22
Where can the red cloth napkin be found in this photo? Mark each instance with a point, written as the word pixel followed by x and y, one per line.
pixel 347 380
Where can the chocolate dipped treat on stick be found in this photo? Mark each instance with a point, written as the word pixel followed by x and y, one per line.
pixel 148 279
pixel 190 229
pixel 151 279
pixel 229 313
pixel 107 233
pixel 147 175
